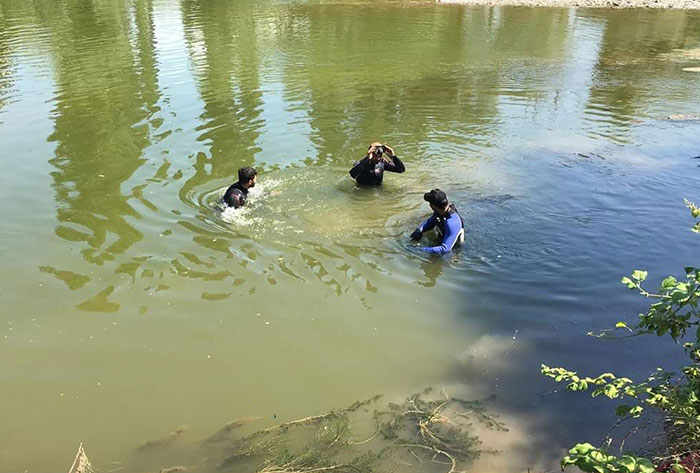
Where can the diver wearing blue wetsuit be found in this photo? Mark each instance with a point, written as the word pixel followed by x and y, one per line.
pixel 446 220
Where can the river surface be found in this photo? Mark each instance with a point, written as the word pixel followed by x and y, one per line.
pixel 131 305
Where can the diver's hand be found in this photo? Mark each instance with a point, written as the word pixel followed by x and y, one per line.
pixel 416 235
pixel 371 150
pixel 389 151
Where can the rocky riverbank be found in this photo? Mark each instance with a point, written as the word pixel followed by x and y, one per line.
pixel 657 4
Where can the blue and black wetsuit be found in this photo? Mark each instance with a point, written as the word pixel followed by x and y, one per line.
pixel 450 228
pixel 235 196
pixel 372 174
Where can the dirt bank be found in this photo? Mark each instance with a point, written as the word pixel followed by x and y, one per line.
pixel 662 4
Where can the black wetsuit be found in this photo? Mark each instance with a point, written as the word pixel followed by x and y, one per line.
pixel 235 196
pixel 372 174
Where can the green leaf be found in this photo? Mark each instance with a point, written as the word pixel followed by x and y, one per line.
pixel 582 448
pixel 645 466
pixel 639 275
pixel 621 325
pixel 627 281
pixel 611 391
pixel 669 283
pixel 628 463
pixel 677 468
pixel 567 461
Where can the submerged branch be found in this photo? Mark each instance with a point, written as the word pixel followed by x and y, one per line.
pixel 433 426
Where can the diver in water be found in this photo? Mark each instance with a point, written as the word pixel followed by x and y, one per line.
pixel 370 169
pixel 446 220
pixel 237 194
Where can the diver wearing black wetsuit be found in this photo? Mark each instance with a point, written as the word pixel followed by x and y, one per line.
pixel 237 194
pixel 370 169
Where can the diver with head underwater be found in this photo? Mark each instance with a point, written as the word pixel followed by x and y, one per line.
pixel 446 221
pixel 370 169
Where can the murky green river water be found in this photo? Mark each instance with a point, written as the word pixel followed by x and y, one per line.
pixel 131 306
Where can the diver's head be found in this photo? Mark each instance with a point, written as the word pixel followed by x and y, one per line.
pixel 375 151
pixel 247 177
pixel 437 200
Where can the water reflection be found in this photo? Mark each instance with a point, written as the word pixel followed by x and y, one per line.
pixel 453 101
pixel 222 44
pixel 624 89
pixel 432 271
pixel 102 125
pixel 379 97
pixel 6 65
pixel 223 48
pixel 337 81
pixel 527 118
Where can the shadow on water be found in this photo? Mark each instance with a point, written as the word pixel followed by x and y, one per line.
pixel 560 257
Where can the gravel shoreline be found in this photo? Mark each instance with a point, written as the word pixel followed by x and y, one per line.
pixel 655 4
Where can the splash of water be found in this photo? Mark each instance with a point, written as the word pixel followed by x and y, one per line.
pixel 248 215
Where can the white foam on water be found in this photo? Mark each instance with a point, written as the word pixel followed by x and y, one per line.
pixel 248 215
pixel 238 217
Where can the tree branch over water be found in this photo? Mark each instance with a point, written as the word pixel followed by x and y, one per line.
pixel 673 398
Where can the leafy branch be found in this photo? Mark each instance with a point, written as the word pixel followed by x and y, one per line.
pixel 594 460
pixel 676 397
